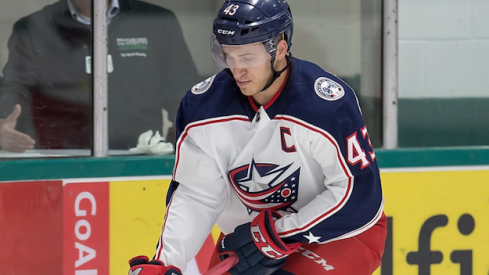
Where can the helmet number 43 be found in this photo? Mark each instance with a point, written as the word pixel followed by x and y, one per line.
pixel 231 9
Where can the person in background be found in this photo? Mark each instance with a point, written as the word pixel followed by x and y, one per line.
pixel 274 150
pixel 46 96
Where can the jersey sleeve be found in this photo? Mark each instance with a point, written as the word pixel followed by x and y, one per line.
pixel 194 206
pixel 352 201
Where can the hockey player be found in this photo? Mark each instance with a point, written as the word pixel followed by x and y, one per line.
pixel 275 151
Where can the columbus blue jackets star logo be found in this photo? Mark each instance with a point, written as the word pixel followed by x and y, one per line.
pixel 266 186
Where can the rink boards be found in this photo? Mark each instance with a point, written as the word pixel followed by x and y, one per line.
pixel 438 223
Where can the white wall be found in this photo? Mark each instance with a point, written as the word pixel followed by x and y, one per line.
pixel 443 48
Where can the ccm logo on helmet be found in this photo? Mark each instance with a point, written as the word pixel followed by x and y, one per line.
pixel 227 32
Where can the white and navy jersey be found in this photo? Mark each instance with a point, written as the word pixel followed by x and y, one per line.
pixel 306 154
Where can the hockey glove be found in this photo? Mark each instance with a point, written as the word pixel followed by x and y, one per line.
pixel 141 266
pixel 259 249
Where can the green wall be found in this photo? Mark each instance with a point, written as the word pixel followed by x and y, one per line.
pixel 443 122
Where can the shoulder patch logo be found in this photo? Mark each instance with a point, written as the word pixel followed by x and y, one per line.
pixel 203 86
pixel 328 89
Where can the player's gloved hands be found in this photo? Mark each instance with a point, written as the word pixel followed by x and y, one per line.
pixel 141 266
pixel 259 249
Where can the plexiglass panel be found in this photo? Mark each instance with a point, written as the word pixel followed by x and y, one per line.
pixel 157 50
pixel 46 85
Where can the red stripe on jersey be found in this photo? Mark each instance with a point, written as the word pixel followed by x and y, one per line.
pixel 343 165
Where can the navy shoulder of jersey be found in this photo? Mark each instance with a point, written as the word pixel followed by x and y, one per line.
pixel 325 101
pixel 217 96
pixel 317 96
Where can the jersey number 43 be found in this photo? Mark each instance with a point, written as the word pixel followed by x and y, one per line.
pixel 355 153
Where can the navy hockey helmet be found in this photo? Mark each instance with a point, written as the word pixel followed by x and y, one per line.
pixel 241 22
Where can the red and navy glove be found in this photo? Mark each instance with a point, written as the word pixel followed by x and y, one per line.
pixel 259 249
pixel 141 266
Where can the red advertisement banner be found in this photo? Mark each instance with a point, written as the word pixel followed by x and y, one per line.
pixel 31 227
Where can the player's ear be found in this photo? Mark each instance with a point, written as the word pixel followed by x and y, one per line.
pixel 282 48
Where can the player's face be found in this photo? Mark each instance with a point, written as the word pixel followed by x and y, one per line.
pixel 250 65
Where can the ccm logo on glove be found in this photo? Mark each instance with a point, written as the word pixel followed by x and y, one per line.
pixel 266 239
pixel 262 244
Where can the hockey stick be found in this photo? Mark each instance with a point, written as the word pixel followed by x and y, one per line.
pixel 222 267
